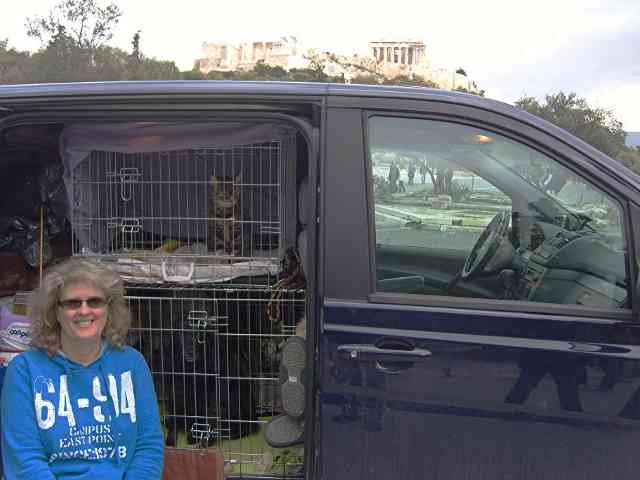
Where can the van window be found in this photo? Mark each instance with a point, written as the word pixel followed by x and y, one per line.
pixel 465 212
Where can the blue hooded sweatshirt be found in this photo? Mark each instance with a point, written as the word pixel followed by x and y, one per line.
pixel 63 420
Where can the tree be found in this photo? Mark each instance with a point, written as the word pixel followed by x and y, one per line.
pixel 596 126
pixel 84 22
pixel 62 61
pixel 368 79
pixel 215 75
pixel 138 67
pixel 308 75
pixel 264 71
pixel 631 158
pixel 479 93
pixel 154 69
pixel 194 74
pixel 135 43
pixel 441 175
pixel 15 66
pixel 410 81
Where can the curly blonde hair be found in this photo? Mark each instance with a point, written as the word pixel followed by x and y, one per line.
pixel 45 328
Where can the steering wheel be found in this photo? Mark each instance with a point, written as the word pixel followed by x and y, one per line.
pixel 487 245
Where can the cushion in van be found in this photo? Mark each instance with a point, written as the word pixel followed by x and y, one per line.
pixel 291 371
pixel 284 431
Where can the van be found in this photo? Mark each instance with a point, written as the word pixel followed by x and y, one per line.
pixel 344 281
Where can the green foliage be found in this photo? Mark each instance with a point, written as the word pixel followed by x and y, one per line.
pixel 479 93
pixel 461 71
pixel 15 66
pixel 62 60
pixel 139 67
pixel 215 75
pixel 315 71
pixel 153 69
pixel 74 36
pixel 308 75
pixel 631 158
pixel 86 24
pixel 135 43
pixel 409 81
pixel 597 126
pixel 366 79
pixel 262 71
pixel 194 74
pixel 287 456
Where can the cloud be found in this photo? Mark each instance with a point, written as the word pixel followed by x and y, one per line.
pixel 586 46
pixel 622 100
pixel 599 66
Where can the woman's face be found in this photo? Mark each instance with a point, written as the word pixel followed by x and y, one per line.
pixel 83 313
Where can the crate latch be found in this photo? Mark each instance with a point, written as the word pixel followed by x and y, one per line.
pixel 127 177
pixel 131 225
pixel 201 321
pixel 201 432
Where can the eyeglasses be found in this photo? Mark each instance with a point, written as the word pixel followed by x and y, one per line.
pixel 76 303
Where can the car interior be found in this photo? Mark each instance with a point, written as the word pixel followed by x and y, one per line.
pixel 206 221
pixel 530 229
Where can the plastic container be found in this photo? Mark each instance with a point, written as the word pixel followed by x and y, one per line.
pixel 15 332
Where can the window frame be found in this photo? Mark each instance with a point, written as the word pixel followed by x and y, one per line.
pixel 546 145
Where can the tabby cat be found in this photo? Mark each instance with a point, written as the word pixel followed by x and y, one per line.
pixel 224 228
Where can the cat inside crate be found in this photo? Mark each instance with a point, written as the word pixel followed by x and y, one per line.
pixel 225 233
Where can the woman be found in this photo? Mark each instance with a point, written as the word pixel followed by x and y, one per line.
pixel 80 404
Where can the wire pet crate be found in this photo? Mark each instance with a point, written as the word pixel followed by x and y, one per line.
pixel 194 215
pixel 213 353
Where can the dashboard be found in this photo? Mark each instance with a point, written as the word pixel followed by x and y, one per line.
pixel 579 268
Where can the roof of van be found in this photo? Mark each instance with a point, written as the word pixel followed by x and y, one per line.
pixel 14 95
pixel 185 87
pixel 11 95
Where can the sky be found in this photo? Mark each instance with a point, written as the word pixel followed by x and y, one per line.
pixel 591 47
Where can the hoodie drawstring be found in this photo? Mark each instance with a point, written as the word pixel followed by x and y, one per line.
pixel 111 413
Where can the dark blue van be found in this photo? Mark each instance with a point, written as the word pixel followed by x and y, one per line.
pixel 467 273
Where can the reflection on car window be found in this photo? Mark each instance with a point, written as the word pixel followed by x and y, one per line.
pixel 460 211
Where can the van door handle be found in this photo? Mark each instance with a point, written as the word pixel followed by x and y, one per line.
pixel 373 352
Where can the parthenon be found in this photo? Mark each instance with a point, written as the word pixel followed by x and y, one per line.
pixel 400 53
